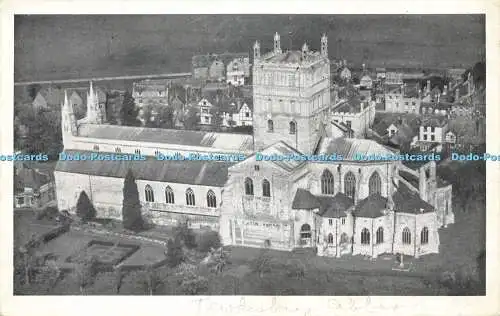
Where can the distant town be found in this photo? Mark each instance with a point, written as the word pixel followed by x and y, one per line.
pixel 246 224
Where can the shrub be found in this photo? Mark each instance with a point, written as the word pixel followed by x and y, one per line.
pixel 261 264
pixel 186 234
pixel 193 284
pixel 175 254
pixel 84 208
pixel 208 240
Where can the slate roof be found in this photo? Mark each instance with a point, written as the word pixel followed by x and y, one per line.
pixel 410 178
pixel 371 206
pixel 334 207
pixel 210 173
pixel 348 147
pixel 53 96
pixel 223 141
pixel 288 57
pixel 434 121
pixel 304 200
pixel 407 201
pixel 29 178
pixel 281 149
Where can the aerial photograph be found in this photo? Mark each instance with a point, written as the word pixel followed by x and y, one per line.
pixel 325 155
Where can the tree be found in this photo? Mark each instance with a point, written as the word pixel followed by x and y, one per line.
pixel 151 281
pixel 129 112
pixel 175 254
pixel 208 240
pixel 186 234
pixel 191 120
pixel 131 211
pixel 261 264
pixel 85 273
pixel 84 208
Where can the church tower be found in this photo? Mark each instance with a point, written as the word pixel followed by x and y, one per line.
pixel 291 97
pixel 95 110
pixel 68 122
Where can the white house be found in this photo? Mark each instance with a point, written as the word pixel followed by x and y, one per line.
pixel 205 112
pixel 244 115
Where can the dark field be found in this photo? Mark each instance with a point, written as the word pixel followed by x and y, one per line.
pixel 69 46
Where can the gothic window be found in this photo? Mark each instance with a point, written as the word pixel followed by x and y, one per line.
pixel 96 147
pixel 270 125
pixel 169 195
pixel 330 222
pixel 330 238
pixel 150 197
pixel 211 199
pixel 406 236
pixel 374 184
pixel 293 127
pixel 424 236
pixel 380 235
pixel 248 186
pixel 305 231
pixel 365 236
pixel 342 220
pixel 350 185
pixel 190 197
pixel 118 150
pixel 266 188
pixel 327 182
pixel 137 151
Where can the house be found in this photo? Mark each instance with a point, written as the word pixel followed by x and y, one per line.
pixel 238 71
pixel 381 73
pixel 366 82
pixel 432 132
pixel 394 78
pixel 355 113
pixel 31 187
pixel 244 114
pixel 345 73
pixel 214 66
pixel 402 98
pixel 205 108
pixel 48 97
pixel 151 92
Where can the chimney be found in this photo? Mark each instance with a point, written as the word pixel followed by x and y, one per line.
pixel 445 89
pixel 457 94
pixel 428 88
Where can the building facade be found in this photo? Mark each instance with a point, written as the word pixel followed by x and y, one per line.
pixel 338 203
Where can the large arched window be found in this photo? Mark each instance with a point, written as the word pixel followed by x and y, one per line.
pixel 327 182
pixel 424 236
pixel 305 231
pixel 266 188
pixel 380 235
pixel 150 197
pixel 211 199
pixel 293 127
pixel 190 197
pixel 270 126
pixel 350 185
pixel 406 236
pixel 169 195
pixel 374 184
pixel 330 238
pixel 248 186
pixel 365 236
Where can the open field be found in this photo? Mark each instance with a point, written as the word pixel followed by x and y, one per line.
pixel 76 46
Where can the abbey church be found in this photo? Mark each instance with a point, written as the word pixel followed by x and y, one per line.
pixel 338 207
